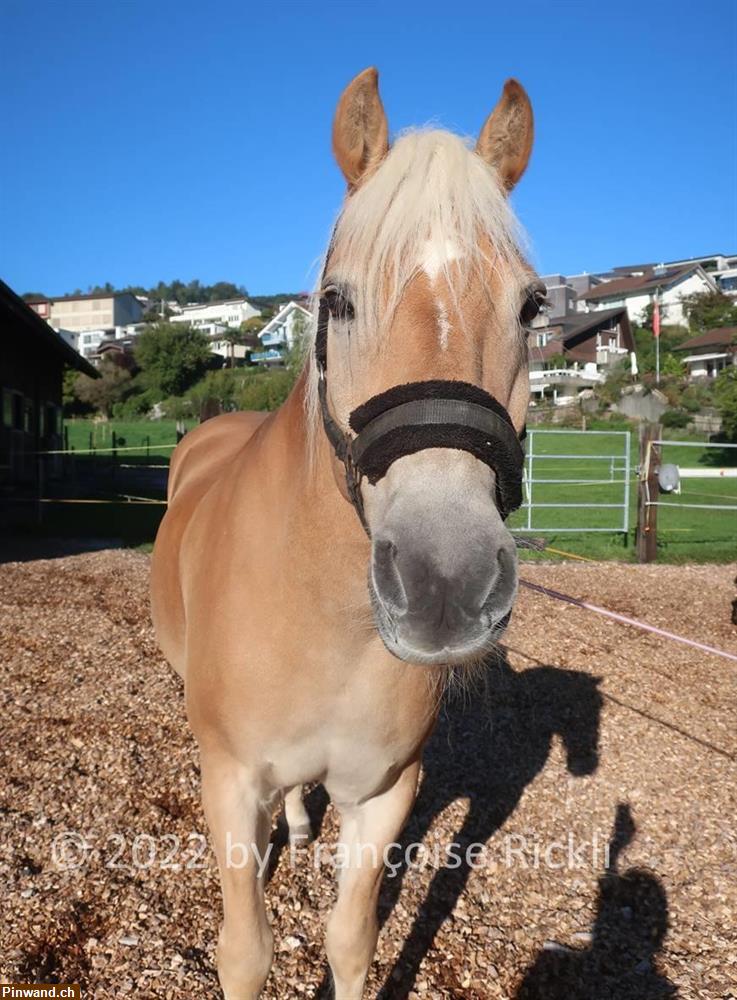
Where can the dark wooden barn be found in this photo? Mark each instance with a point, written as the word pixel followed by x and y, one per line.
pixel 32 361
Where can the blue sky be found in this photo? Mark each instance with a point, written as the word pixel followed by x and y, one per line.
pixel 159 140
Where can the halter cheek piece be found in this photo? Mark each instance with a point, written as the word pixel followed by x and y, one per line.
pixel 419 415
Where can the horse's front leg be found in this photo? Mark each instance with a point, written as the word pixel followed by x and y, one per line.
pixel 298 820
pixel 367 830
pixel 240 825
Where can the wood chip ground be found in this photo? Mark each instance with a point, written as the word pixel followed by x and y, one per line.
pixel 588 735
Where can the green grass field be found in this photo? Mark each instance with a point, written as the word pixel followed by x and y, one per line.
pixel 140 435
pixel 684 535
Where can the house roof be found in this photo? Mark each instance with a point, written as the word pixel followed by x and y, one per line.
pixel 220 302
pixel 278 317
pixel 721 336
pixel 575 323
pixel 637 284
pixel 37 299
pixel 20 314
pixel 574 335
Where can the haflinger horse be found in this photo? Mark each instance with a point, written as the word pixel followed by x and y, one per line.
pixel 320 568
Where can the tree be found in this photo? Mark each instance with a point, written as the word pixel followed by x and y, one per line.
pixel 670 338
pixel 253 325
pixel 72 404
pixel 556 361
pixel 102 393
pixel 725 396
pixel 172 357
pixel 709 310
pixel 224 290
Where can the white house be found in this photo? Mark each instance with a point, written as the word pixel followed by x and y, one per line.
pixel 290 322
pixel 722 268
pixel 709 353
pixel 88 343
pixel 280 333
pixel 637 290
pixel 209 316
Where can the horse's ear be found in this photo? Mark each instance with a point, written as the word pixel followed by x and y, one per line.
pixel 505 141
pixel 360 130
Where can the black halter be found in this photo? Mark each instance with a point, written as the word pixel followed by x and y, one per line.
pixel 419 415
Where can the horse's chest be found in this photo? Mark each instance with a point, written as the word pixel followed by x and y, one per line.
pixel 356 751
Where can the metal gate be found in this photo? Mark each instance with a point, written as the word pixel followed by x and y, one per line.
pixel 587 472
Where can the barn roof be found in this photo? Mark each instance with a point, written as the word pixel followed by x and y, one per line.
pixel 40 335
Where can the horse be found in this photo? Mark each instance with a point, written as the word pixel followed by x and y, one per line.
pixel 322 571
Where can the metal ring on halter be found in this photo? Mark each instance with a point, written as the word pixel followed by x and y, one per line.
pixel 416 416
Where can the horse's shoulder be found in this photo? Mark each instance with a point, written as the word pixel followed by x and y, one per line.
pixel 204 450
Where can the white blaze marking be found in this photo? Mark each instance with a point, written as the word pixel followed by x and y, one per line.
pixel 443 324
pixel 436 256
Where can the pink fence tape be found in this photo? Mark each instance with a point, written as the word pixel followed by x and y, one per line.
pixel 628 621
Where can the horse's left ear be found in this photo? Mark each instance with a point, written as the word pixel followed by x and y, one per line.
pixel 360 130
pixel 505 141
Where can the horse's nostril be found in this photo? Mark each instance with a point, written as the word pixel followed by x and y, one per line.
pixel 387 579
pixel 502 582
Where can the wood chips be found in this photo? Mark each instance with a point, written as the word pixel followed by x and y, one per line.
pixel 587 738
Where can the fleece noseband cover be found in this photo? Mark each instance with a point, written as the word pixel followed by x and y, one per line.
pixel 420 415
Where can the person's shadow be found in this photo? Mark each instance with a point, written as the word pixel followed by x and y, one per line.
pixel 487 747
pixel 631 922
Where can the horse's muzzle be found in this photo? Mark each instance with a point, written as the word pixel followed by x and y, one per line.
pixel 428 614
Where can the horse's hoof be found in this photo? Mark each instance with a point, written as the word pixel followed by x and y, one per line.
pixel 301 836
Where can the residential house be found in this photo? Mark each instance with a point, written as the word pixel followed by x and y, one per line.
pixel 120 350
pixel 721 267
pixel 214 317
pixel 571 353
pixel 563 291
pixel 32 360
pixel 279 335
pixel 709 353
pixel 77 313
pixel 637 288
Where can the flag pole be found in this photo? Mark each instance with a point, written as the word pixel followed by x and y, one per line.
pixel 656 331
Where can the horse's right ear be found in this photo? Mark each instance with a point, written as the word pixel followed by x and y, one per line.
pixel 360 130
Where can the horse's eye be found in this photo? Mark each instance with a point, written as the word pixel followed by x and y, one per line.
pixel 534 301
pixel 341 307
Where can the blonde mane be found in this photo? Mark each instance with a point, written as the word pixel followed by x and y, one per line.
pixel 431 196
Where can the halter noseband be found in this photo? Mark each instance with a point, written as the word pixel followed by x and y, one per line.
pixel 419 415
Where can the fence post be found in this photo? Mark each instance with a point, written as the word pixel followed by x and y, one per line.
pixel 115 456
pixel 647 490
pixel 627 482
pixel 40 473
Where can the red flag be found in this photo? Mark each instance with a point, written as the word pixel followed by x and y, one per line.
pixel 656 318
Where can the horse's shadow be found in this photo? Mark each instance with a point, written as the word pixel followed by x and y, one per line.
pixel 487 747
pixel 631 921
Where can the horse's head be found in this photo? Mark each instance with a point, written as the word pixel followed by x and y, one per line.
pixel 421 367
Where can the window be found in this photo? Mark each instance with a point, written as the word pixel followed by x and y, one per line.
pixel 17 417
pixel 50 419
pixel 7 408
